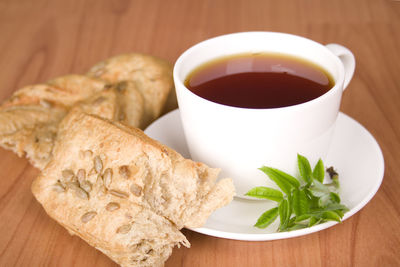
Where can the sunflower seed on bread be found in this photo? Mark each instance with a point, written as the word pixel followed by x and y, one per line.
pixel 135 220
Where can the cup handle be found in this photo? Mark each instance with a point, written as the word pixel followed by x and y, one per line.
pixel 348 61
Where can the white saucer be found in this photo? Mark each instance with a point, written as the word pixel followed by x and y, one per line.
pixel 354 153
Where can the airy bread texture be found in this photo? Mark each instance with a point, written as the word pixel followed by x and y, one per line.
pixel 125 193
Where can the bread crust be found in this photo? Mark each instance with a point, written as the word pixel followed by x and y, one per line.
pixel 29 119
pixel 152 75
pixel 132 89
pixel 156 190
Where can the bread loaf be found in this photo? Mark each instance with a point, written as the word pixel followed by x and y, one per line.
pixel 152 76
pixel 125 193
pixel 131 89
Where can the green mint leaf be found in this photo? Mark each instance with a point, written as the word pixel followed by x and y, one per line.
pixel 283 180
pixel 304 168
pixel 311 203
pixel 319 171
pixel 265 193
pixel 267 218
pixel 291 222
pixel 331 216
pixel 336 206
pixel 318 189
pixel 334 197
pixel 284 214
pixel 290 201
pixel 340 213
pixel 324 200
pixel 313 221
pixel 319 212
pixel 302 217
pixel 300 202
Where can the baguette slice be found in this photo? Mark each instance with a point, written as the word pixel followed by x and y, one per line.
pixel 124 193
pixel 128 233
pixel 29 119
pixel 152 76
pixel 134 89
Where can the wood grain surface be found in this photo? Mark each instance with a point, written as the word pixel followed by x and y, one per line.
pixel 42 39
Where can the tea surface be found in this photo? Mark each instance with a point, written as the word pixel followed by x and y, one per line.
pixel 259 80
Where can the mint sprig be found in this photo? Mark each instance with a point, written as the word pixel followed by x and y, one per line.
pixel 302 202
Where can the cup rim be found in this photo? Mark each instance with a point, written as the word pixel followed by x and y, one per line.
pixel 336 87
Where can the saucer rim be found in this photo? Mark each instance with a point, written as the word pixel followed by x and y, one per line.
pixel 300 232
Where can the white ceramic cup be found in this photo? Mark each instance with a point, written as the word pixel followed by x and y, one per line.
pixel 241 140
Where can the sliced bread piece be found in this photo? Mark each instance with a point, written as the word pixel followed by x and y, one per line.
pixel 152 76
pixel 123 192
pixel 30 117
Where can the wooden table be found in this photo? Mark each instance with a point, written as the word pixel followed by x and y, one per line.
pixel 42 39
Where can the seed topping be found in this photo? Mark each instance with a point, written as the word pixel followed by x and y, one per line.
pixel 118 193
pixel 79 192
pixel 112 206
pixel 124 229
pixel 88 216
pixel 136 190
pixel 81 175
pixel 87 186
pixel 98 164
pixel 107 177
